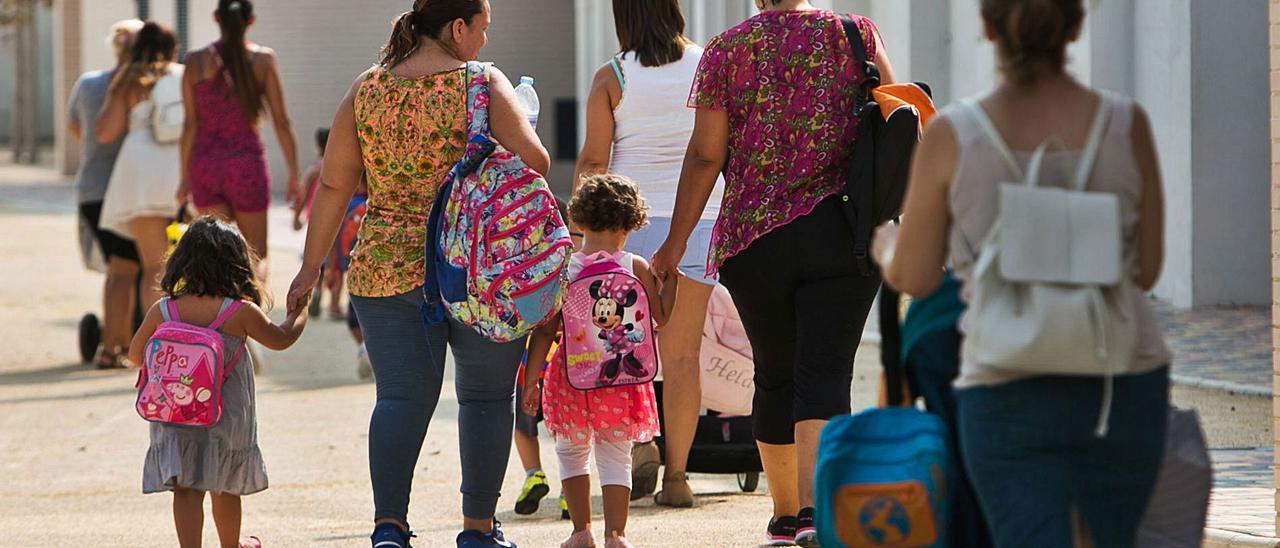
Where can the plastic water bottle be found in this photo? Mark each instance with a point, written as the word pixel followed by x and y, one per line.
pixel 528 99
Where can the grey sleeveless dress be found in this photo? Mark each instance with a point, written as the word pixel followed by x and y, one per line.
pixel 222 459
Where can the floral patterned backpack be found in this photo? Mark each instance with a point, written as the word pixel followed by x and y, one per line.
pixel 495 239
pixel 181 379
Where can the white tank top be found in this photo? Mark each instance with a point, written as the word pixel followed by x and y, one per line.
pixel 652 126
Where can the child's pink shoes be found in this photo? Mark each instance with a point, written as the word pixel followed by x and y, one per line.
pixel 616 541
pixel 580 539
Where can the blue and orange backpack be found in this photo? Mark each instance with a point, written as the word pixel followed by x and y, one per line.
pixel 882 475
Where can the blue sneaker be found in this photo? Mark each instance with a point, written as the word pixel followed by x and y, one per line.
pixel 390 535
pixel 476 539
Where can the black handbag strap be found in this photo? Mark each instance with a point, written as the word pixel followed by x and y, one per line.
pixel 863 195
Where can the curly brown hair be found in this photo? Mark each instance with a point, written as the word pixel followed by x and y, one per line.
pixel 608 202
pixel 212 260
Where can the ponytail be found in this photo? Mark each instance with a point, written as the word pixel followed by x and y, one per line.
pixel 1032 35
pixel 427 19
pixel 233 20
pixel 403 42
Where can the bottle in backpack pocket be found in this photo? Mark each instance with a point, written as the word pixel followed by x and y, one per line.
pixel 528 99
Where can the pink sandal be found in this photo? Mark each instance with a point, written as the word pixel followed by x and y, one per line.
pixel 250 542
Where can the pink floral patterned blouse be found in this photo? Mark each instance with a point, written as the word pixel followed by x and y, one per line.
pixel 787 80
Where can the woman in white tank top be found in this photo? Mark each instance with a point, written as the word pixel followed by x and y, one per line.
pixel 638 125
pixel 1042 472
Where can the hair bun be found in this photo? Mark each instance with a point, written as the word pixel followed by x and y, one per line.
pixel 1032 35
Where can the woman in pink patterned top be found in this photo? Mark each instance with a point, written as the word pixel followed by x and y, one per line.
pixel 775 99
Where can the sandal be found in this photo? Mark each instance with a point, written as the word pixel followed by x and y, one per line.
pixel 111 359
pixel 250 542
pixel 675 491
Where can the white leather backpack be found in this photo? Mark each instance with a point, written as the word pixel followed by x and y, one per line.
pixel 1049 289
pixel 168 114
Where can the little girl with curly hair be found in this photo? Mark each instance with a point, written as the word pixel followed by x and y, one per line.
pixel 608 208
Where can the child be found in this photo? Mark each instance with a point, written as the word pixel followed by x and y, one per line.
pixel 607 208
pixel 331 276
pixel 526 440
pixel 211 269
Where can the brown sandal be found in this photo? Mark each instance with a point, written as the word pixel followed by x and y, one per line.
pixel 675 491
pixel 111 359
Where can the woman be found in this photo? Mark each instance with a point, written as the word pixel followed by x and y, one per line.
pixel 1046 475
pixel 774 97
pixel 224 168
pixel 97 160
pixel 404 122
pixel 139 201
pixel 638 126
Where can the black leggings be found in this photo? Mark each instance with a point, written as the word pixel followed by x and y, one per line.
pixel 804 305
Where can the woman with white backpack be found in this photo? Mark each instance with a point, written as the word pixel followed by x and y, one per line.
pixel 1063 386
pixel 145 101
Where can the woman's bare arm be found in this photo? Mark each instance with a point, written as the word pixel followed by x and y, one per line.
pixel 916 259
pixel 597 151
pixel 191 123
pixel 273 91
pixel 1151 208
pixel 510 126
pixel 113 121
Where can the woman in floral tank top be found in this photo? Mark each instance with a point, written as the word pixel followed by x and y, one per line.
pixel 775 111
pixel 404 124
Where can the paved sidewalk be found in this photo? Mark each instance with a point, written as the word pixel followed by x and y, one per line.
pixel 1243 498
pixel 1220 348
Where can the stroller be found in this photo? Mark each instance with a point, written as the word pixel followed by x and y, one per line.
pixel 89 332
pixel 723 442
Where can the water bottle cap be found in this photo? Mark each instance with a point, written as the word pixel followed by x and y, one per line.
pixel 526 80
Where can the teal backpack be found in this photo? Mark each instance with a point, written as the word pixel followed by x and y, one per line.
pixel 881 475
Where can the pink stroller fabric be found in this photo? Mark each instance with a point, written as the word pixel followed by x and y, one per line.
pixel 727 368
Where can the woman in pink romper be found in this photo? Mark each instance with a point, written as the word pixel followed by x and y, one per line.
pixel 224 166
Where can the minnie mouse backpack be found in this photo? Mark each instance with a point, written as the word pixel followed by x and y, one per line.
pixel 181 379
pixel 608 331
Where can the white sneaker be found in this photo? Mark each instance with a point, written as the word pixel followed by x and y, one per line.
pixel 364 367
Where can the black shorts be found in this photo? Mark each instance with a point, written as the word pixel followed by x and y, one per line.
pixel 803 303
pixel 112 244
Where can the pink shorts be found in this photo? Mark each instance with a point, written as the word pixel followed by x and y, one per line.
pixel 239 182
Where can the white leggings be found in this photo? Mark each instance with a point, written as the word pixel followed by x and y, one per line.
pixel 613 460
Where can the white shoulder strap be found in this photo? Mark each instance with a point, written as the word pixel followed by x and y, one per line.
pixel 1097 131
pixel 980 116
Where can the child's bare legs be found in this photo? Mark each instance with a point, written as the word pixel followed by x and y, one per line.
pixel 188 516
pixel 577 495
pixel 617 500
pixel 226 517
pixel 613 460
pixel 528 449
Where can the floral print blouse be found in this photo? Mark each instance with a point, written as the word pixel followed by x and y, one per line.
pixel 788 82
pixel 411 132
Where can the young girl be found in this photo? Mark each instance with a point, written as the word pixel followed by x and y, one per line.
pixel 608 208
pixel 211 269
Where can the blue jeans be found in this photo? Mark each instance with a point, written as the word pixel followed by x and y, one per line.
pixel 1033 457
pixel 408 360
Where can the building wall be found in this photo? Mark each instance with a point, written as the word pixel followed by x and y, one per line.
pixel 1274 141
pixel 324 47
pixel 45 96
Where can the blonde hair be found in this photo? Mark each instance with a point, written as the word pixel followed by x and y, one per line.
pixel 120 37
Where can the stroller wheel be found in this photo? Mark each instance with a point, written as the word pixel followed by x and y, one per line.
pixel 749 481
pixel 90 337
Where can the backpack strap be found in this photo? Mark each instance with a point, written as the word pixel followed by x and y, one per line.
pixel 169 310
pixel 863 195
pixel 228 308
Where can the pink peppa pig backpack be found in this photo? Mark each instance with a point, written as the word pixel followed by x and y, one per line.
pixel 608 331
pixel 184 369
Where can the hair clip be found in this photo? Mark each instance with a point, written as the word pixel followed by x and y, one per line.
pixel 234 6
